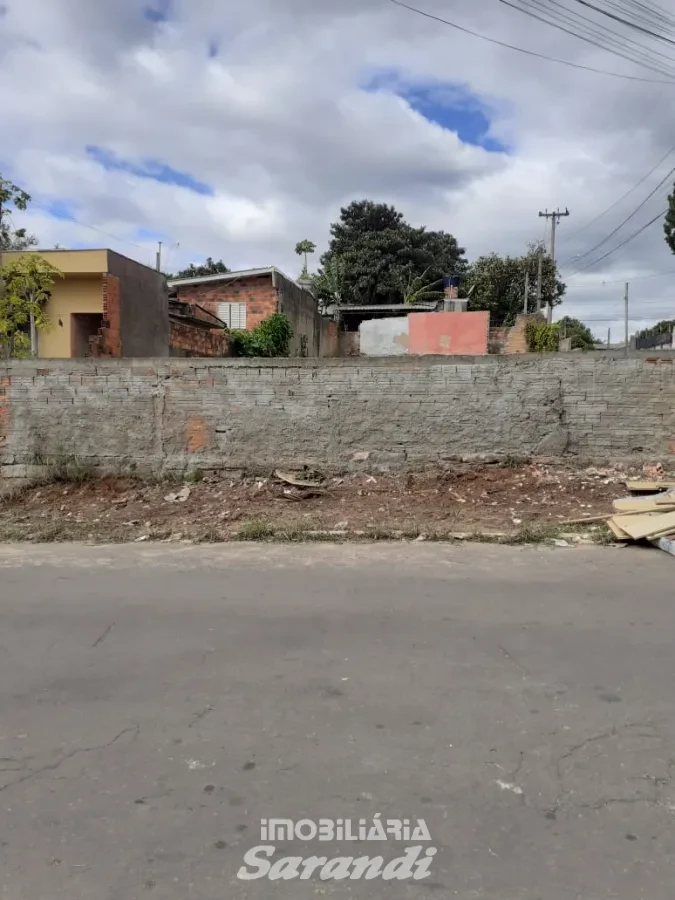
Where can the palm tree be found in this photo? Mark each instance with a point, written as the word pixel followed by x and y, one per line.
pixel 303 248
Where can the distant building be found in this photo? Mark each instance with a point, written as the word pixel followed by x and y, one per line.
pixel 242 300
pixel 105 305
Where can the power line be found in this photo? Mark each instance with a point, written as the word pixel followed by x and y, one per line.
pixel 621 199
pixel 627 219
pixel 626 22
pixel 72 218
pixel 594 36
pixel 597 284
pixel 623 243
pixel 553 59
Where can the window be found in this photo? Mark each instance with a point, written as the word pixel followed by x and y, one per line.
pixel 233 314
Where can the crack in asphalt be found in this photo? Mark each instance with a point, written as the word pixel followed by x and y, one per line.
pixel 51 767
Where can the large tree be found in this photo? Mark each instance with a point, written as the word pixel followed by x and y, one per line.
pixel 380 255
pixel 13 197
pixel 669 222
pixel 497 284
pixel 582 337
pixel 208 267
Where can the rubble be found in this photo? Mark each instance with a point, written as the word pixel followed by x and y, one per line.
pixel 455 498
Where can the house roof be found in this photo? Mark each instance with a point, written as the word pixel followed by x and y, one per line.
pixel 229 276
pixel 427 306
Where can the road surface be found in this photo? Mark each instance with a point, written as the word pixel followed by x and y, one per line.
pixel 158 701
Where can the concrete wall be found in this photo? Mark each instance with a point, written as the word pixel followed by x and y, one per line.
pixel 70 262
pixel 328 338
pixel 168 415
pixel 82 294
pixel 384 337
pixel 301 309
pixel 144 307
pixel 449 333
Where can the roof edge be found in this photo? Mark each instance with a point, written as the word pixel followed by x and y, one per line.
pixel 230 276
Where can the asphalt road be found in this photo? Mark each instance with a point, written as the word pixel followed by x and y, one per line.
pixel 157 702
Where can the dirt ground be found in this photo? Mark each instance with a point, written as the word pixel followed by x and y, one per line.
pixel 460 500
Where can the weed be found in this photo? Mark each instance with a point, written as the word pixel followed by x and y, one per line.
pixel 254 531
pixel 195 476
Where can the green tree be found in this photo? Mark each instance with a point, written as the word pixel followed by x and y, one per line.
pixel 669 222
pixel 582 338
pixel 497 284
pixel 25 286
pixel 13 197
pixel 302 248
pixel 381 255
pixel 329 281
pixel 418 289
pixel 208 267
pixel 664 327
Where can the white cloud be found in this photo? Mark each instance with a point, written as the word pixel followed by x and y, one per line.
pixel 279 125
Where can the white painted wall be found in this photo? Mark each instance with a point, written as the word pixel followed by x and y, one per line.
pixel 384 337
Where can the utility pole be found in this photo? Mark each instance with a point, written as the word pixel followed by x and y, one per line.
pixel 609 338
pixel 625 318
pixel 527 291
pixel 540 273
pixel 555 218
pixel 159 257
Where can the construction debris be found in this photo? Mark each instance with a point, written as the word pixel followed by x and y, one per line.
pixel 649 487
pixel 296 481
pixel 179 497
pixel 645 517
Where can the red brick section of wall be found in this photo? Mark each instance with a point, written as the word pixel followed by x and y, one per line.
pixel 497 340
pixel 195 341
pixel 516 341
pixel 111 339
pixel 257 292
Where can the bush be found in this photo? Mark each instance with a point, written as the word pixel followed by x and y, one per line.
pixel 271 338
pixel 542 338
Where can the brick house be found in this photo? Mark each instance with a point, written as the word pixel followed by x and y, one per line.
pixel 244 299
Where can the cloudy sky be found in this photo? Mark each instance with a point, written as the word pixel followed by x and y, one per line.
pixel 235 129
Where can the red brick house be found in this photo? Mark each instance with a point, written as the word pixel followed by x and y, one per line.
pixel 244 299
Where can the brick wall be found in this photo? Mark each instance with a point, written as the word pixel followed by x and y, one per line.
pixel 190 340
pixel 111 335
pixel 152 416
pixel 258 294
pixel 516 342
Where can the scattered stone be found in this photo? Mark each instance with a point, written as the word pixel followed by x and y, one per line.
pixel 179 497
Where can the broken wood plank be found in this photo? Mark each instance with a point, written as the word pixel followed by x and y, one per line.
pixel 590 519
pixel 645 487
pixel 646 525
pixel 618 533
pixel 655 503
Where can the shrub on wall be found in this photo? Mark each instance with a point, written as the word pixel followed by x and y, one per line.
pixel 271 338
pixel 542 338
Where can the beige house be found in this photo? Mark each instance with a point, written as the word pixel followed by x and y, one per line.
pixel 105 305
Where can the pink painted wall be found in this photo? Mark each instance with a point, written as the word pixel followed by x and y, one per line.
pixel 449 333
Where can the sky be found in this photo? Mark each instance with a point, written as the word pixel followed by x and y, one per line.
pixel 234 130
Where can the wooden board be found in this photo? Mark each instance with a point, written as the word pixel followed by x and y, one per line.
pixel 617 532
pixel 646 525
pixel 644 487
pixel 655 503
